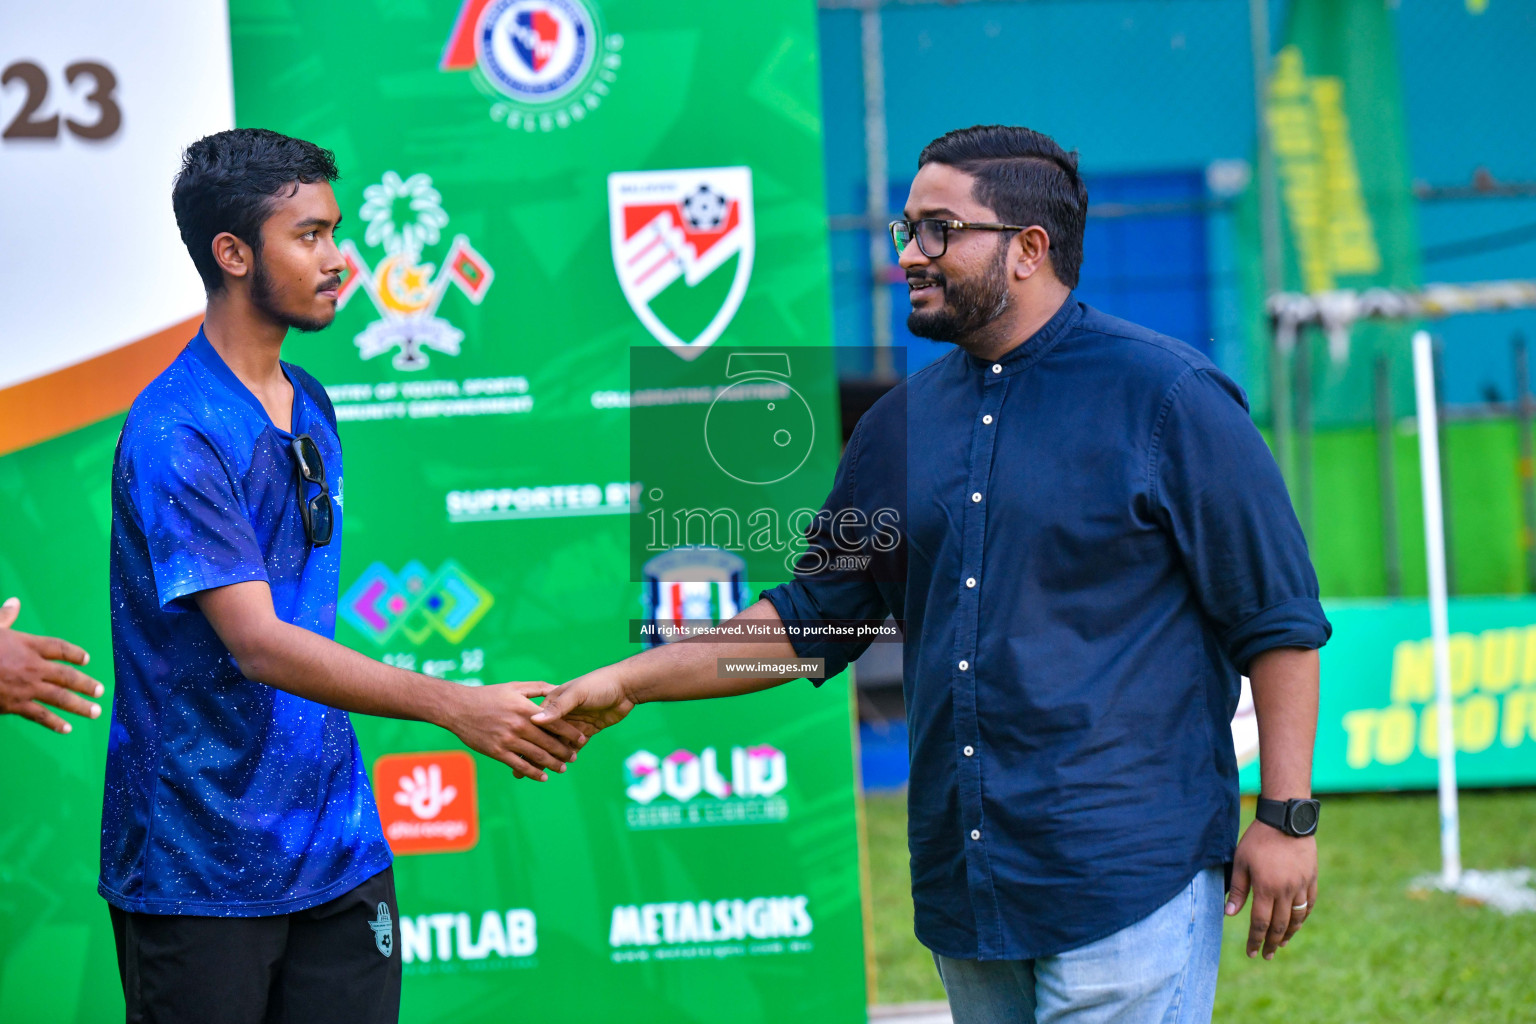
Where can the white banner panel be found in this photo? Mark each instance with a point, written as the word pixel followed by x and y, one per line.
pixel 99 100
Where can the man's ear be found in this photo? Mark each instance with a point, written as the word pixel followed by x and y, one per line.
pixel 233 256
pixel 1031 250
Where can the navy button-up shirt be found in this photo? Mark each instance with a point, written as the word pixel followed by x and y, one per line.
pixel 1096 542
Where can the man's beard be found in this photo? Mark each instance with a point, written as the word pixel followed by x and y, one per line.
pixel 263 298
pixel 968 306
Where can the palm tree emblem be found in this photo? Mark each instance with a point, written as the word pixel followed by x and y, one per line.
pixel 404 216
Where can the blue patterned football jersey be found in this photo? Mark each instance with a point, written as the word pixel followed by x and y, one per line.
pixel 224 797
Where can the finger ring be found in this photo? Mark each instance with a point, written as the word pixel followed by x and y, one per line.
pixel 1301 906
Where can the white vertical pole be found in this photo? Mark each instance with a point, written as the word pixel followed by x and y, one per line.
pixel 1439 622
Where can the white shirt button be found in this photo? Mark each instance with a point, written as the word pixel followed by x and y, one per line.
pixel 971 581
pixel 976 496
pixel 964 665
pixel 970 751
pixel 997 367
pixel 987 418
pixel 975 833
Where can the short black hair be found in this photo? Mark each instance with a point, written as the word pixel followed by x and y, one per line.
pixel 1025 178
pixel 228 182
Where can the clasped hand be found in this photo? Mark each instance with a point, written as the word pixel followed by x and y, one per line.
pixel 498 722
pixel 591 702
pixel 503 721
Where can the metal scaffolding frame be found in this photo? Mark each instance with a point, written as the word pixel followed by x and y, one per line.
pixel 1336 312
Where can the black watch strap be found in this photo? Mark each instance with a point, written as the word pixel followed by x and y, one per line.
pixel 1293 817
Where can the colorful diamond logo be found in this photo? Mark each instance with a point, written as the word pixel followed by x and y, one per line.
pixel 415 603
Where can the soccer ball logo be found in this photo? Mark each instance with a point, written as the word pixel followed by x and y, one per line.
pixel 671 231
pixel 705 208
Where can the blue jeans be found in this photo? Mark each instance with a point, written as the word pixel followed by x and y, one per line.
pixel 1160 970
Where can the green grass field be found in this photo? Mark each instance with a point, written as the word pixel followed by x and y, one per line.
pixel 1370 952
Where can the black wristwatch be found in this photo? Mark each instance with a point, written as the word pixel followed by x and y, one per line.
pixel 1293 817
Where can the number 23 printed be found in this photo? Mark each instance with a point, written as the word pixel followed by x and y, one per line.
pixel 32 123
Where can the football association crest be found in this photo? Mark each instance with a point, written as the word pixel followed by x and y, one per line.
pixel 404 217
pixel 546 60
pixel 383 930
pixel 672 232
pixel 691 588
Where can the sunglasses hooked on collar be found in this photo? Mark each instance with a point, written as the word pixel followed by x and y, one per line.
pixel 318 512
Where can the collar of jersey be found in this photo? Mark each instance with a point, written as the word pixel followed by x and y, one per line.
pixel 205 353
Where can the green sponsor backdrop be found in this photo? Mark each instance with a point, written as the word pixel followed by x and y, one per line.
pixel 1377 720
pixel 511 458
pixel 481 373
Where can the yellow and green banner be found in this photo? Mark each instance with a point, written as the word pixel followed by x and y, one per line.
pixel 1334 117
pixel 1377 721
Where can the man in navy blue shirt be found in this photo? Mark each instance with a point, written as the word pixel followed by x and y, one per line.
pixel 241 850
pixel 1095 543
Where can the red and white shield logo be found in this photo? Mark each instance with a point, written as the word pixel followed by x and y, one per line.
pixel 672 230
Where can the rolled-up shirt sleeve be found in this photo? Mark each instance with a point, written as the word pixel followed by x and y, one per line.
pixel 827 587
pixel 1217 490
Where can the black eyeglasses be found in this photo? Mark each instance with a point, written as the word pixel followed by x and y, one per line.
pixel 932 234
pixel 318 512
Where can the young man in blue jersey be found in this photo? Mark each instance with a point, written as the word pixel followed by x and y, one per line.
pixel 242 855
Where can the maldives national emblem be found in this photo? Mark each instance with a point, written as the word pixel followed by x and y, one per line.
pixel 672 232
pixel 404 216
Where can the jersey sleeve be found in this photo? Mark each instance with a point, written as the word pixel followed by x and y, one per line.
pixel 187 502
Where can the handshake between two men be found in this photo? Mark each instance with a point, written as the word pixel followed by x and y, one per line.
pixel 534 739
pixel 500 721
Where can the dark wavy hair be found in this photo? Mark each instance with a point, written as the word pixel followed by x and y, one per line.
pixel 1025 178
pixel 228 182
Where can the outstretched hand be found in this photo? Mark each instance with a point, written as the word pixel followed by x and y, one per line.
pixel 498 722
pixel 595 700
pixel 33 672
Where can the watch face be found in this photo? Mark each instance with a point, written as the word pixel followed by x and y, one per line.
pixel 1304 817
